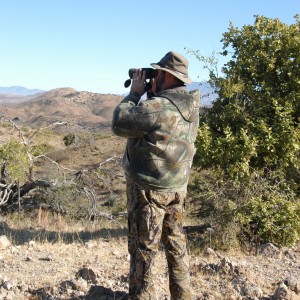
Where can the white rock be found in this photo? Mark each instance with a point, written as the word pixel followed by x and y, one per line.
pixel 31 243
pixel 8 285
pixel 15 250
pixel 210 251
pixel 4 242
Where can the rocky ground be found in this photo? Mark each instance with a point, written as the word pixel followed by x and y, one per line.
pixel 97 268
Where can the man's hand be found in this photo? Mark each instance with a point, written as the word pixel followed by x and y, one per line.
pixel 138 83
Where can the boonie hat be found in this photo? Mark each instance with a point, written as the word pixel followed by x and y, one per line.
pixel 175 64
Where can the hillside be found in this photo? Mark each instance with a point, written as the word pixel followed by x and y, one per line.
pixel 62 105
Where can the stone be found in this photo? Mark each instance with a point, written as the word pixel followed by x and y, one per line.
pixel 269 250
pixel 68 284
pixel 282 292
pixel 252 292
pixel 293 284
pixel 4 242
pixel 87 274
pixel 31 244
pixel 210 252
pixel 290 254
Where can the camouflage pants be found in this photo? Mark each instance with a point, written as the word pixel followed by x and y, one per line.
pixel 153 217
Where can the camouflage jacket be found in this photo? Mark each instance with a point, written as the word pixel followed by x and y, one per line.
pixel 161 132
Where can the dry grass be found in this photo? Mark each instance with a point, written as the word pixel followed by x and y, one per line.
pixel 53 252
pixel 43 226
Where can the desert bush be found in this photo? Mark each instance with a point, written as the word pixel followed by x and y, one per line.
pixel 244 214
pixel 20 154
pixel 211 202
pixel 66 200
pixel 253 125
pixel 15 157
pixel 69 139
pixel 270 218
pixel 249 139
pixel 79 138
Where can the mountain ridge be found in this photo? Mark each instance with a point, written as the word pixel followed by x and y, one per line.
pixel 19 90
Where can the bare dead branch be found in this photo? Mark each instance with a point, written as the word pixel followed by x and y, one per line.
pixel 94 213
pixel 15 126
pixel 5 194
pixel 58 166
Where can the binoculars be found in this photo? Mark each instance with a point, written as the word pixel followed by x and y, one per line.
pixel 150 73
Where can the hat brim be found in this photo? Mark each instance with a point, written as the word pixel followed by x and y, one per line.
pixel 176 74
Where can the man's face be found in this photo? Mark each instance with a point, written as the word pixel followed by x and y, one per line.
pixel 158 82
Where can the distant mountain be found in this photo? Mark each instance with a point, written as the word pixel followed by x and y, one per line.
pixel 19 90
pixel 207 94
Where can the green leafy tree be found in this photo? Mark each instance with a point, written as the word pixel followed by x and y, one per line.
pixel 14 155
pixel 18 155
pixel 253 126
pixel 251 134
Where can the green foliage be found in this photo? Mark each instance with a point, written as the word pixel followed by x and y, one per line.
pixel 213 201
pixel 251 134
pixel 69 139
pixel 254 123
pixel 14 155
pixel 79 138
pixel 271 218
pixel 244 213
pixel 41 149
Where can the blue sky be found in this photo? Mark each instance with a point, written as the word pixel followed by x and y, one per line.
pixel 89 45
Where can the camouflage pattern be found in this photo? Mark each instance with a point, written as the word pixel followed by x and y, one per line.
pixel 155 216
pixel 161 132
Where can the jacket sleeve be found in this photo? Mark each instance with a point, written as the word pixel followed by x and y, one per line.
pixel 133 120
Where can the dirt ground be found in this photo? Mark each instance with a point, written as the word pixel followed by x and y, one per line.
pixel 82 264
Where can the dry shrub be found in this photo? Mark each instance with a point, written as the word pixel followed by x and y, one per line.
pixel 243 213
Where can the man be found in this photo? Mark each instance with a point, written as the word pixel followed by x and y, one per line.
pixel 161 132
